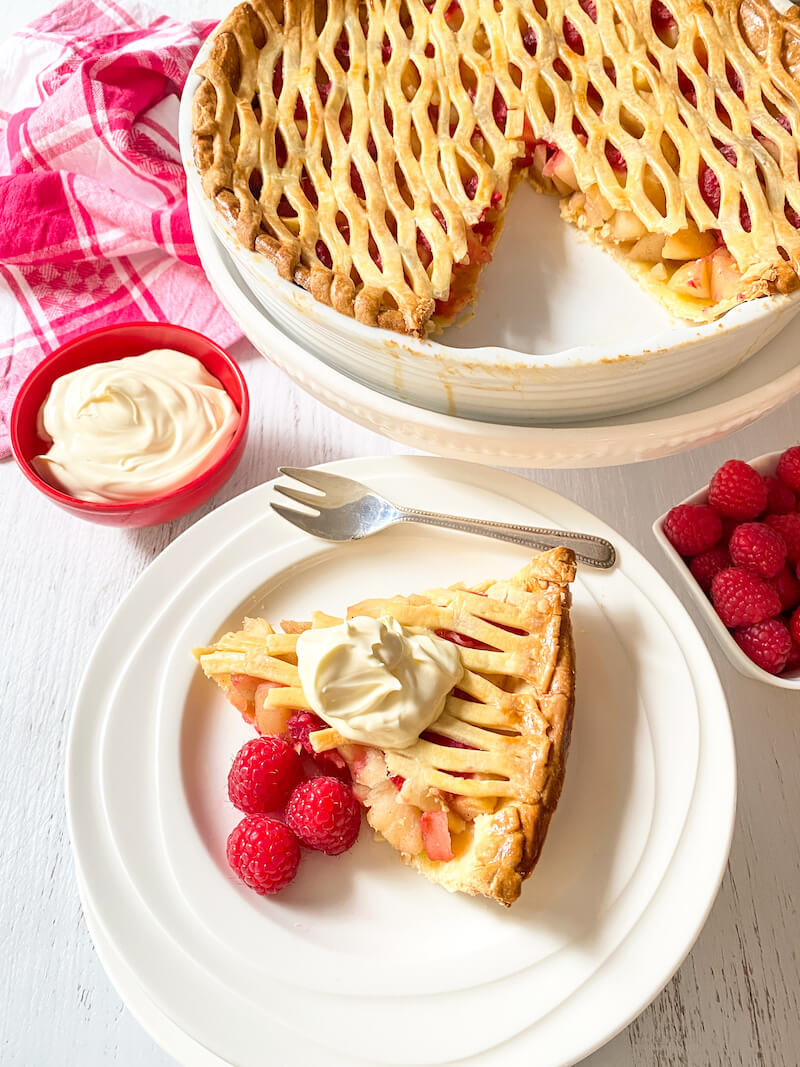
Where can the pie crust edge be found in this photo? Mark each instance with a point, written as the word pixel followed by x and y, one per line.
pixel 508 843
pixel 336 289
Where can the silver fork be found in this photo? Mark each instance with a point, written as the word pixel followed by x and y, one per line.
pixel 346 510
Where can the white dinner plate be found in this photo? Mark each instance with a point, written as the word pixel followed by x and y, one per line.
pixel 360 960
pixel 162 1030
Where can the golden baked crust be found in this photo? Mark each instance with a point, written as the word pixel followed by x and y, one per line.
pixel 511 716
pixel 368 151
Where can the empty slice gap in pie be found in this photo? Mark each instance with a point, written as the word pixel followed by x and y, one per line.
pixel 469 802
pixel 369 150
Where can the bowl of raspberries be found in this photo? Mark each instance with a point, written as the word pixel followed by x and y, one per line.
pixel 737 544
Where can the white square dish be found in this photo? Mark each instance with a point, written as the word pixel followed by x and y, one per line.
pixel 765 465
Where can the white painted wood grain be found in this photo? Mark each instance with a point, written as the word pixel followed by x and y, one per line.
pixel 734 1003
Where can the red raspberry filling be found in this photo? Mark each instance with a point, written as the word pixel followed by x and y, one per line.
pixel 300 726
pixel 464 640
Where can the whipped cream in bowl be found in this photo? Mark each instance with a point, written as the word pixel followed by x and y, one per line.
pixel 132 425
pixel 375 681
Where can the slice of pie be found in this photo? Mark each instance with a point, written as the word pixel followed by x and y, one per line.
pixel 369 149
pixel 469 803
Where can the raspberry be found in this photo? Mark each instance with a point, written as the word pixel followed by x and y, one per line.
pixel 300 725
pixel 707 564
pixel 768 644
pixel 303 723
pixel 793 662
pixel 325 815
pixel 794 626
pixel 264 773
pixel 692 528
pixel 780 498
pixel 788 526
pixel 758 548
pixel 738 491
pixel 788 469
pixel 264 853
pixel 742 598
pixel 788 589
pixel 728 526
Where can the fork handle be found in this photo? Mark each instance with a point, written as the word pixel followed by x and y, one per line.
pixel 591 550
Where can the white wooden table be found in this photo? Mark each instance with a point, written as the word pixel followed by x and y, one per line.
pixel 735 1001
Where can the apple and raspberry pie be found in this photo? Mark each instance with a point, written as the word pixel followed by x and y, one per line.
pixel 369 149
pixel 467 802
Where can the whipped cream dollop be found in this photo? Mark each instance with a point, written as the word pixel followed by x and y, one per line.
pixel 134 427
pixel 375 681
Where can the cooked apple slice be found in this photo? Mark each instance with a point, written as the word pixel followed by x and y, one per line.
pixel 725 276
pixel 470 808
pixel 689 244
pixel 597 208
pixel 693 279
pixel 648 248
pixel 399 823
pixel 539 158
pixel 625 226
pixel 560 170
pixel 436 835
pixel 369 768
pixel 270 720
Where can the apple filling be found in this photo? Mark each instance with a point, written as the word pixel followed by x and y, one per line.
pixel 693 264
pixel 413 817
pixel 481 239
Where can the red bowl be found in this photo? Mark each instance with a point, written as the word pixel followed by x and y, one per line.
pixel 116 342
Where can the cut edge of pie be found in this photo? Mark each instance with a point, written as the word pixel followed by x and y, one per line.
pixel 469 804
pixel 369 151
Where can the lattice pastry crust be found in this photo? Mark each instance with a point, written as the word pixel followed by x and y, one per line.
pixel 494 759
pixel 369 150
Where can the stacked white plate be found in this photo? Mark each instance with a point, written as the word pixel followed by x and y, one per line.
pixel 361 960
pixel 560 334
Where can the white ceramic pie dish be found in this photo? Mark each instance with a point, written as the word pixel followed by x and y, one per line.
pixel 747 393
pixel 766 464
pixel 560 334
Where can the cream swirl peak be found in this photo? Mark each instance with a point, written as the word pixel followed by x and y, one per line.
pixel 375 681
pixel 135 427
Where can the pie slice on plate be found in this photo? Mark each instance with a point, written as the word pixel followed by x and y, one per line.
pixel 369 150
pixel 469 802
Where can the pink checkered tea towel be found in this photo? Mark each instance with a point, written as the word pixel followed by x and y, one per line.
pixel 94 225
